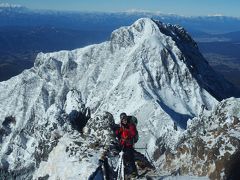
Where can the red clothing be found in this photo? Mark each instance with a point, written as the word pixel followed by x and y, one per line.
pixel 126 135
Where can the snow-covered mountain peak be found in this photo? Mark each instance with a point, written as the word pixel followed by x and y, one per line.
pixel 140 30
pixel 146 27
pixel 149 69
pixel 172 41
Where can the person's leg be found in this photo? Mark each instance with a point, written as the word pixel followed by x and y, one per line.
pixel 129 157
pixel 134 167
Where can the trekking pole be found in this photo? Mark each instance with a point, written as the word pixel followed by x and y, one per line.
pixel 120 167
pixel 105 176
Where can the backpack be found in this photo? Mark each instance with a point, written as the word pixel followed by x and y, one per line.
pixel 133 120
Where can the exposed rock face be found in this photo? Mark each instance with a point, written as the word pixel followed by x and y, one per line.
pixel 81 152
pixel 101 128
pixel 210 146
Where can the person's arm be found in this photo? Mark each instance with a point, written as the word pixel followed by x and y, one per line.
pixel 118 132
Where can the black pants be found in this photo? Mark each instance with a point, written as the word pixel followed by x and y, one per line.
pixel 129 160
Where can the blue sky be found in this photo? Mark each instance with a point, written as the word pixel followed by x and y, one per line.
pixel 180 7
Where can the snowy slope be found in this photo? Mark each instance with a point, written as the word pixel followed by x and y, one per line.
pixel 210 145
pixel 149 69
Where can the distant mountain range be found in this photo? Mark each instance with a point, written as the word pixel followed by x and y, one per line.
pixel 21 16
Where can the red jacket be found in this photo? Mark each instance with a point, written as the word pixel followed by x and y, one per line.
pixel 126 135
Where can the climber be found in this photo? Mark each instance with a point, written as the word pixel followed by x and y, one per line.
pixel 126 134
